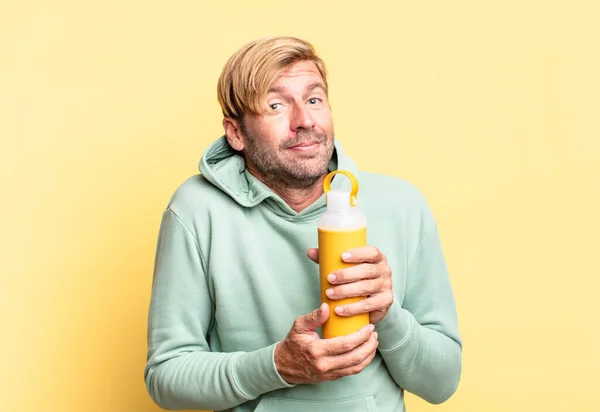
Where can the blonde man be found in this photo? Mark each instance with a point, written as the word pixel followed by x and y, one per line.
pixel 235 314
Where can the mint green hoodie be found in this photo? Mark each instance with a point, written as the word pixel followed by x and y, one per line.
pixel 231 276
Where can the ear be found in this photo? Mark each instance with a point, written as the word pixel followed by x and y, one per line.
pixel 234 134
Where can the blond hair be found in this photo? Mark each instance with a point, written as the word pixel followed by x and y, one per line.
pixel 249 72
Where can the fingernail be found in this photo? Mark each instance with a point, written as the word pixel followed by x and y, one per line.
pixel 329 292
pixel 346 255
pixel 371 327
pixel 331 278
pixel 339 310
pixel 321 309
pixel 376 335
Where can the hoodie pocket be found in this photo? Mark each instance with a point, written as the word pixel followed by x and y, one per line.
pixel 362 404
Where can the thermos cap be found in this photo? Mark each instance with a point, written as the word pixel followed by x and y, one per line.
pixel 338 200
pixel 349 196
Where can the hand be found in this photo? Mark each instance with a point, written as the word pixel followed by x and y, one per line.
pixel 303 357
pixel 371 277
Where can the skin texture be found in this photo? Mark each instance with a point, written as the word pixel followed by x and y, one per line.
pixel 288 147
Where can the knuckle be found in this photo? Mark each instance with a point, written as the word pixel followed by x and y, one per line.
pixel 382 284
pixel 297 323
pixel 385 285
pixel 345 346
pixel 321 366
pixel 314 353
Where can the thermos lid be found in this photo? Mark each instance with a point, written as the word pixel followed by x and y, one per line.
pixel 338 200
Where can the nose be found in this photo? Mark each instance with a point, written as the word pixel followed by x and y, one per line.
pixel 300 118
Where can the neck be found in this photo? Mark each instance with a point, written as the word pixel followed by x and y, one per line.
pixel 298 198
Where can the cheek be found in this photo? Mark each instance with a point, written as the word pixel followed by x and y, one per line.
pixel 324 120
pixel 274 131
pixel 269 131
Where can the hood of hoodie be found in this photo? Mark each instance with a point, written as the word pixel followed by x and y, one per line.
pixel 226 169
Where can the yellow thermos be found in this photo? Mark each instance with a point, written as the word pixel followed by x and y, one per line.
pixel 341 227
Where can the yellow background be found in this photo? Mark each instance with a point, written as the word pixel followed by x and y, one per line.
pixel 492 108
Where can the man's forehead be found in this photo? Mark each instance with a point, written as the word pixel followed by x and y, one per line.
pixel 301 68
pixel 312 75
pixel 275 88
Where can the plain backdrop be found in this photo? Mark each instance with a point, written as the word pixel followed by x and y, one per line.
pixel 490 107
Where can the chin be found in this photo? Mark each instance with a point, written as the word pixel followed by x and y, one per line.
pixel 313 171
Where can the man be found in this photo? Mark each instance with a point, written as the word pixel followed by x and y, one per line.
pixel 235 310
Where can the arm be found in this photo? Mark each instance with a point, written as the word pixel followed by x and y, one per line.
pixel 181 371
pixel 419 340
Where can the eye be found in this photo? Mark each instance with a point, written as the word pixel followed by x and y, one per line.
pixel 314 100
pixel 275 106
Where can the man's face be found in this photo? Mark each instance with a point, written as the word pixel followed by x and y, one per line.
pixel 292 143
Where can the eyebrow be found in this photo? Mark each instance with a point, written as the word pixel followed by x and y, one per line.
pixel 276 89
pixel 315 85
pixel 310 88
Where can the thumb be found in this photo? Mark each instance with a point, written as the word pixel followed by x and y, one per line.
pixel 311 321
pixel 313 254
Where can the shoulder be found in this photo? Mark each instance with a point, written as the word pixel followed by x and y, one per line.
pixel 393 196
pixel 390 189
pixel 195 197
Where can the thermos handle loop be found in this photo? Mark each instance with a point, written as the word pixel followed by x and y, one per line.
pixel 353 181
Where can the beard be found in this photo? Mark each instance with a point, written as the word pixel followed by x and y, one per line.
pixel 282 168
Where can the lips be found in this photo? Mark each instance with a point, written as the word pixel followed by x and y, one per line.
pixel 304 145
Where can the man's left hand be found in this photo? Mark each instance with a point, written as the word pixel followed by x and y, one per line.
pixel 370 277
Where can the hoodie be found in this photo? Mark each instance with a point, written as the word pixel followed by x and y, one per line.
pixel 231 275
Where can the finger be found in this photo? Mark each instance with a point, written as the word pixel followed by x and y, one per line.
pixel 368 254
pixel 343 344
pixel 373 303
pixel 355 273
pixel 313 254
pixel 351 370
pixel 355 361
pixel 355 289
pixel 311 321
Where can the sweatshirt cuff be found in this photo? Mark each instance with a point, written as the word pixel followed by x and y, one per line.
pixel 255 372
pixel 395 329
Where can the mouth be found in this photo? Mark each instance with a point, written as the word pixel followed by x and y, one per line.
pixel 305 147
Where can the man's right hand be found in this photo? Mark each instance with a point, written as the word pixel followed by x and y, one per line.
pixel 303 357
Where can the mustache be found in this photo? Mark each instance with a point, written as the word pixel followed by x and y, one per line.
pixel 304 137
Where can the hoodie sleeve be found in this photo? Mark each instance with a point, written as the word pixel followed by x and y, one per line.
pixel 419 339
pixel 181 371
